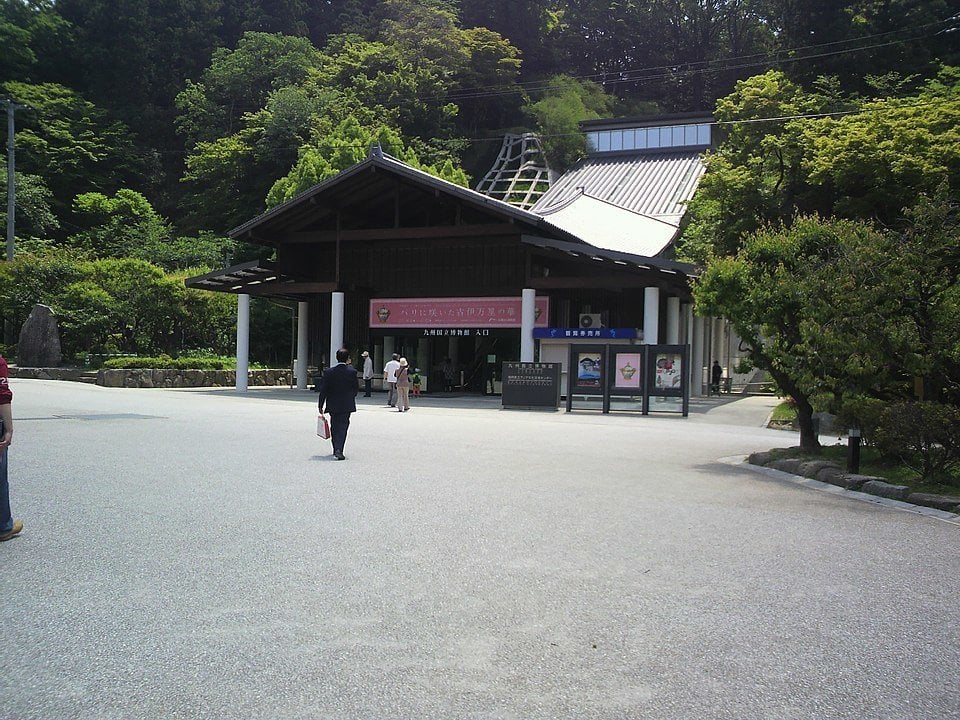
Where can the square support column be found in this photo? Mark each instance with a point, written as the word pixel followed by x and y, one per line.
pixel 651 316
pixel 243 341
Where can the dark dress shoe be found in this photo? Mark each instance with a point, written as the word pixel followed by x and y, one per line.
pixel 339 456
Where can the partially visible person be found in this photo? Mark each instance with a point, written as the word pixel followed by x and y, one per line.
pixel 716 375
pixel 9 527
pixel 403 386
pixel 390 377
pixel 338 389
pixel 488 377
pixel 367 373
pixel 449 373
pixel 415 382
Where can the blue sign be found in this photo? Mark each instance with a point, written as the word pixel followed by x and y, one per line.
pixel 585 333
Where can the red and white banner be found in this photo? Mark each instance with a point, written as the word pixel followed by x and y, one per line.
pixel 461 312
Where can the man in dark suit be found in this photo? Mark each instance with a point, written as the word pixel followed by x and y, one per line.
pixel 338 388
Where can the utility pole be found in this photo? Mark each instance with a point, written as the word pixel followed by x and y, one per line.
pixel 12 107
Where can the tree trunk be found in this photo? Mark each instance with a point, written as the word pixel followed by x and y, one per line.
pixel 808 435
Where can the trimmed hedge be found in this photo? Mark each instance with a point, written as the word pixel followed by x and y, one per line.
pixel 165 362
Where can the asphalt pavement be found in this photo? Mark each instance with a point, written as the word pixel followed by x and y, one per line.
pixel 198 554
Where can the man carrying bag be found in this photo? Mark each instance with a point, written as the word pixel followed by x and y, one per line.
pixel 338 388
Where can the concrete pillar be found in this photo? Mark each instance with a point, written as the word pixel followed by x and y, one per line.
pixel 673 321
pixel 651 316
pixel 243 341
pixel 303 323
pixel 528 318
pixel 696 357
pixel 389 345
pixel 336 325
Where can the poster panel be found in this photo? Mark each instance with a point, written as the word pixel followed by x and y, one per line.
pixel 627 371
pixel 589 370
pixel 668 374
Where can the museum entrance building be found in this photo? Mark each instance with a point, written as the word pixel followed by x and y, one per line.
pixel 386 258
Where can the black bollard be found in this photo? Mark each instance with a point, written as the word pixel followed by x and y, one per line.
pixel 853 450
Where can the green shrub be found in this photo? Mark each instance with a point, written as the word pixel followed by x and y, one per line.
pixel 862 412
pixel 924 435
pixel 165 362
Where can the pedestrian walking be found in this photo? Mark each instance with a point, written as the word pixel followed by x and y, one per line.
pixel 390 377
pixel 338 389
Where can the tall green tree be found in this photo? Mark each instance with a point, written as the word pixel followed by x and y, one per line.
pixel 556 115
pixel 70 143
pixel 790 151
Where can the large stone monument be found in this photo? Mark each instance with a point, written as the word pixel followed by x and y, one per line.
pixel 39 344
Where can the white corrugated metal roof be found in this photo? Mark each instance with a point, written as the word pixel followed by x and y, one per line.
pixel 657 185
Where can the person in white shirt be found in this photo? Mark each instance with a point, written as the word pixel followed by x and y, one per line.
pixel 390 377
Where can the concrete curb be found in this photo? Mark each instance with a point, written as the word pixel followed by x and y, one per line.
pixel 951 516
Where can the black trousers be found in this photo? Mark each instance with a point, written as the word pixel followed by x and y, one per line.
pixel 367 387
pixel 339 422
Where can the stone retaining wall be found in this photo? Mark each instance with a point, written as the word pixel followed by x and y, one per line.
pixel 147 378
pixel 829 472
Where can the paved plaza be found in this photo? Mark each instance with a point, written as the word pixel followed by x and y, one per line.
pixel 198 554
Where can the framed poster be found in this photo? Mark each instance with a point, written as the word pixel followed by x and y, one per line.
pixel 627 370
pixel 668 378
pixel 589 370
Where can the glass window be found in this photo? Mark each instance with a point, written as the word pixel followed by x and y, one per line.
pixel 604 142
pixel 640 138
pixel 653 137
pixel 703 134
pixel 616 140
pixel 592 142
pixel 676 136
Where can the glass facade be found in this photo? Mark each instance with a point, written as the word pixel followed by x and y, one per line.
pixel 649 138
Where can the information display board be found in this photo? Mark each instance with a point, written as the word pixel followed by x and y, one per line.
pixel 652 375
pixel 530 384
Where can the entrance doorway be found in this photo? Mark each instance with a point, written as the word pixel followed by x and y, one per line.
pixel 468 361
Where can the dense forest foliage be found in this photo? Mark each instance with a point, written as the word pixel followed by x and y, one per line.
pixel 146 129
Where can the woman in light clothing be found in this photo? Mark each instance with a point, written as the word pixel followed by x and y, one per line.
pixel 403 386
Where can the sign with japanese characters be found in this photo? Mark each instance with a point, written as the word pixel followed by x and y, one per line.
pixel 455 312
pixel 531 384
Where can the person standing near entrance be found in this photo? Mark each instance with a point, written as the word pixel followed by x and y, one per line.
pixel 338 389
pixel 403 386
pixel 8 526
pixel 716 375
pixel 367 374
pixel 390 377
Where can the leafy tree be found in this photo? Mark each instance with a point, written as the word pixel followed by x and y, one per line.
pixel 768 292
pixel 345 146
pixel 869 163
pixel 126 225
pixel 566 102
pixel 33 37
pixel 35 218
pixel 240 81
pixel 69 142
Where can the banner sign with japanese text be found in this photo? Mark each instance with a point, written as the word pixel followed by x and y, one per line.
pixel 455 312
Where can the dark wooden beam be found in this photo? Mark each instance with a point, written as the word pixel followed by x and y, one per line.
pixel 442 231
pixel 600 283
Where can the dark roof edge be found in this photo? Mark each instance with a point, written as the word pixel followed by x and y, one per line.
pixel 646 120
pixel 390 164
pixel 671 266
